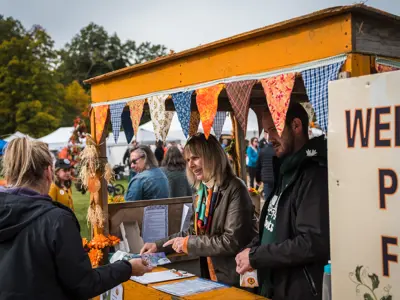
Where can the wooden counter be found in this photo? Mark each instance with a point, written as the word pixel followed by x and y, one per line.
pixel 135 291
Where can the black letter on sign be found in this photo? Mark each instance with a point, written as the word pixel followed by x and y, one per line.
pixel 386 190
pixel 358 120
pixel 397 125
pixel 381 126
pixel 387 257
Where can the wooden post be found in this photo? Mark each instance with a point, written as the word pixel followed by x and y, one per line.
pixel 240 145
pixel 358 65
pixel 103 193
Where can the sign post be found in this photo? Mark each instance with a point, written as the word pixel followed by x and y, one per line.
pixel 364 174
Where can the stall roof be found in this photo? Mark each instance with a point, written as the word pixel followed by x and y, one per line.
pixel 267 30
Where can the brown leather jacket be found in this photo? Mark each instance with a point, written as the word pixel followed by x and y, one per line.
pixel 233 227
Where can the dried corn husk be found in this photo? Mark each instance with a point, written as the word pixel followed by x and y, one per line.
pixel 108 173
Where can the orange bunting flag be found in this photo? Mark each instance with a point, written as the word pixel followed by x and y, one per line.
pixel 194 123
pixel 207 103
pixel 278 90
pixel 380 68
pixel 100 118
pixel 136 110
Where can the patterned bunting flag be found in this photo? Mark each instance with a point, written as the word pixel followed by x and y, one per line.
pixel 127 125
pixel 239 96
pixel 278 90
pixel 194 122
pixel 219 122
pixel 309 109
pixel 136 109
pixel 380 68
pixel 100 115
pixel 160 117
pixel 182 102
pixel 316 82
pixel 207 103
pixel 115 112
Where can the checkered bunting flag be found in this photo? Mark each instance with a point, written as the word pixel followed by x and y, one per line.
pixel 219 122
pixel 115 112
pixel 316 82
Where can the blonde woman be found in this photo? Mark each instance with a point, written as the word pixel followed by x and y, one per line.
pixel 60 189
pixel 41 253
pixel 223 221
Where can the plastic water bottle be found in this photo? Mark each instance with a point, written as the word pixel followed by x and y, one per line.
pixel 326 284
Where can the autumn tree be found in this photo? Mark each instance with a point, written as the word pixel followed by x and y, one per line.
pixel 30 95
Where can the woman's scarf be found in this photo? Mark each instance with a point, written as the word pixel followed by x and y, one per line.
pixel 205 199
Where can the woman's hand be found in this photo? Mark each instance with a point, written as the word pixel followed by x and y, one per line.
pixel 149 248
pixel 177 244
pixel 139 267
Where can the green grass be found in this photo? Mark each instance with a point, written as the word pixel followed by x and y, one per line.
pixel 81 204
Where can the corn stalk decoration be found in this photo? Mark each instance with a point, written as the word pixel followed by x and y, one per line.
pixel 92 169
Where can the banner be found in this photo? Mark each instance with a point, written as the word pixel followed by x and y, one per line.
pixel 219 122
pixel 100 115
pixel 160 118
pixel 136 110
pixel 364 174
pixel 182 102
pixel 115 112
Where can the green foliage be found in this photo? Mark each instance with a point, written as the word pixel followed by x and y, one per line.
pixel 41 88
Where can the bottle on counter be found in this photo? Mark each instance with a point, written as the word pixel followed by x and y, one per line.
pixel 326 283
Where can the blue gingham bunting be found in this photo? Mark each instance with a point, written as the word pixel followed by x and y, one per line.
pixel 115 112
pixel 182 102
pixel 127 125
pixel 219 122
pixel 316 82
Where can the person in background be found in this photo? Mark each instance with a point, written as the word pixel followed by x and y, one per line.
pixel 60 189
pixel 293 243
pixel 41 253
pixel 265 168
pixel 150 182
pixel 126 159
pixel 252 154
pixel 223 222
pixel 159 152
pixel 224 143
pixel 174 167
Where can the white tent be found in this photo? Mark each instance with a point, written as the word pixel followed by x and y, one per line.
pixel 58 139
pixel 15 135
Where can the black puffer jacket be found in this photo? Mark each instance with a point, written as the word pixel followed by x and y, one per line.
pixel 301 250
pixel 41 253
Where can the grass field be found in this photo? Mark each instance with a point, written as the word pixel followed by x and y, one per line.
pixel 81 203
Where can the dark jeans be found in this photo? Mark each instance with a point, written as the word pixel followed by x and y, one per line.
pixel 267 190
pixel 252 174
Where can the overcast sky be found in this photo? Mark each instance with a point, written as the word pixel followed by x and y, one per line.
pixel 178 24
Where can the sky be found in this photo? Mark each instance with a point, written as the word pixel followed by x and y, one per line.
pixel 178 24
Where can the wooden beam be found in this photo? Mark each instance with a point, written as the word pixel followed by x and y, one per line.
pixel 376 36
pixel 358 65
pixel 307 42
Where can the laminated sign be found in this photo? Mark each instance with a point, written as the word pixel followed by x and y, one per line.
pixel 364 194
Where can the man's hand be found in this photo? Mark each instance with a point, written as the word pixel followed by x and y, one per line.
pixel 243 262
pixel 177 244
pixel 139 267
pixel 149 248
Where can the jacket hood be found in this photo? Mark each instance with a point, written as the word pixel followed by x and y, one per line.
pixel 18 208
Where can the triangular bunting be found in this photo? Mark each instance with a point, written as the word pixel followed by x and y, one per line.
pixel 219 122
pixel 239 96
pixel 316 83
pixel 194 123
pixel 182 102
pixel 278 90
pixel 207 103
pixel 127 125
pixel 309 109
pixel 160 117
pixel 100 115
pixel 115 112
pixel 380 68
pixel 136 110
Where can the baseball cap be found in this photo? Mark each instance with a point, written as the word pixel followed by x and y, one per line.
pixel 63 164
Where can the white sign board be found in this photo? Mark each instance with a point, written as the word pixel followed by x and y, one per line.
pixel 364 174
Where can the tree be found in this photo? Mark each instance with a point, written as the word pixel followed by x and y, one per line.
pixel 93 52
pixel 30 96
pixel 76 102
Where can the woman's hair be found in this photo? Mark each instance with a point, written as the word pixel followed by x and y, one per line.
pixel 25 161
pixel 174 160
pixel 149 159
pixel 215 161
pixel 252 140
pixel 57 181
